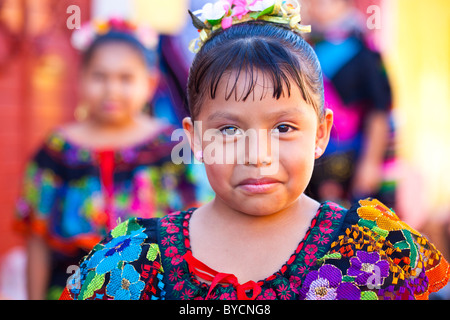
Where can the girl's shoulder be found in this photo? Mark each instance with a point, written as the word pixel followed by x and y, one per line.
pixel 378 256
pixel 125 265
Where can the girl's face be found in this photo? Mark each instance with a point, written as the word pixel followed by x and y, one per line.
pixel 116 84
pixel 288 133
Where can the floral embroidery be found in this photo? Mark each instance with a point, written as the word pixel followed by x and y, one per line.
pixel 385 218
pixel 175 242
pixel 326 284
pixel 123 248
pixel 125 284
pixel 366 265
pixel 284 292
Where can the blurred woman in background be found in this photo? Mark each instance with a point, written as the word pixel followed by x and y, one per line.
pixel 358 91
pixel 112 164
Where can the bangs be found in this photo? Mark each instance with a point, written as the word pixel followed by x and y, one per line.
pixel 249 61
pixel 253 61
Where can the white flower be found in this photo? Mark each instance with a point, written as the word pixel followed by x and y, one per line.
pixel 82 38
pixel 290 7
pixel 213 11
pixel 261 5
pixel 148 37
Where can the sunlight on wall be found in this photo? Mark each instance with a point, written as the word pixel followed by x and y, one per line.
pixel 165 16
pixel 417 47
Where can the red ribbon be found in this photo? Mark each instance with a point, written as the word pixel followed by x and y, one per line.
pixel 203 271
pixel 106 160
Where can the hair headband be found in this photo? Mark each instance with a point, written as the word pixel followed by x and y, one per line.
pixel 225 13
pixel 84 37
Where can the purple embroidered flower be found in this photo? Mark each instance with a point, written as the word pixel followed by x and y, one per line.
pixel 368 268
pixel 326 284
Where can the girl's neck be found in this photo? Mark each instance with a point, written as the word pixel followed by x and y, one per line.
pixel 301 211
pixel 108 127
pixel 93 135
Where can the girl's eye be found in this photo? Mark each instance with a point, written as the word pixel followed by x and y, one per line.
pixel 283 128
pixel 230 131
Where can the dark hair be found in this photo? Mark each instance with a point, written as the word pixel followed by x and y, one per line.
pixel 281 54
pixel 149 57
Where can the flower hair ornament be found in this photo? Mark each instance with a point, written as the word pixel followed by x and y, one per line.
pixel 225 13
pixel 83 38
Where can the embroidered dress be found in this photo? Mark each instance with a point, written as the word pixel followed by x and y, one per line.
pixel 73 196
pixel 365 253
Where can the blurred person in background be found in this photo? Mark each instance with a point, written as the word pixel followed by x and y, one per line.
pixel 112 164
pixel 358 91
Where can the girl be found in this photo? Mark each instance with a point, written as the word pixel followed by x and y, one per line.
pixel 261 237
pixel 113 165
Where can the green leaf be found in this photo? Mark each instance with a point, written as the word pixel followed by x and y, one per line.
pixel 348 279
pixel 94 282
pixel 369 295
pixel 214 22
pixel 120 230
pixel 153 252
pixel 267 11
pixel 254 15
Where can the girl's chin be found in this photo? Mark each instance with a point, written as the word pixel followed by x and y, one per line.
pixel 112 119
pixel 259 207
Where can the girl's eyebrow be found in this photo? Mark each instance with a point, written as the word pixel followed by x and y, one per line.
pixel 223 115
pixel 273 115
pixel 285 113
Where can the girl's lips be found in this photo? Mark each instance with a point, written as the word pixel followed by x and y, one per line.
pixel 263 185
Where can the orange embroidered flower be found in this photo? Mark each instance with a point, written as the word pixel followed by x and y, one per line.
pixel 385 218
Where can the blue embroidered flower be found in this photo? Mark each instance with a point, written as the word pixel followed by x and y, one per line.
pixel 125 248
pixel 125 284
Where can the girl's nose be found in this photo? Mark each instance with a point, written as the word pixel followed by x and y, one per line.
pixel 260 145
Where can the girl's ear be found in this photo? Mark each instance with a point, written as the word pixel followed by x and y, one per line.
pixel 193 133
pixel 323 133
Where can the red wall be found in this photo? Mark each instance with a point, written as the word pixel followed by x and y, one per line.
pixel 38 78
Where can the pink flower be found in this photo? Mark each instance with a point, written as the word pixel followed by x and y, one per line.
pixel 310 259
pixel 227 22
pixel 311 248
pixel 171 251
pixel 172 229
pixel 325 227
pixel 227 296
pixel 187 295
pixel 176 274
pixel 320 239
pixel 179 286
pixel 295 283
pixel 301 269
pixel 176 260
pixel 333 215
pixel 283 291
pixel 239 9
pixel 269 294
pixel 168 240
